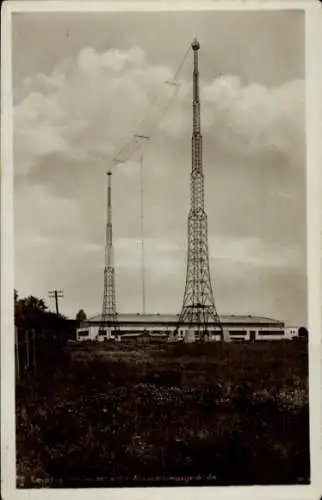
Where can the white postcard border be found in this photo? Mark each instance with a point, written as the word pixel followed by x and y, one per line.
pixel 314 215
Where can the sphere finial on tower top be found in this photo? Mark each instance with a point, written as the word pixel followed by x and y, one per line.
pixel 195 44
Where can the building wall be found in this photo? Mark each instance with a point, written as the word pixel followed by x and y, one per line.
pixel 291 332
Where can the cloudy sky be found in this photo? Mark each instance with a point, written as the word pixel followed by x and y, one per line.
pixel 85 83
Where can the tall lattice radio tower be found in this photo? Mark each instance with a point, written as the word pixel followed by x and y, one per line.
pixel 198 309
pixel 109 315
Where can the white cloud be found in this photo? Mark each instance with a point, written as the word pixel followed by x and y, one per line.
pixel 253 251
pixel 246 120
pixel 38 214
pixel 89 60
pixel 88 106
pixel 158 253
pixel 168 255
pixel 83 113
pixel 95 104
pixel 255 118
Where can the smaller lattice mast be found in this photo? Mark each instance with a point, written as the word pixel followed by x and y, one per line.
pixel 109 315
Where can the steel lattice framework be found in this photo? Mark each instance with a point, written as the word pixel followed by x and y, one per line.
pixel 109 315
pixel 198 307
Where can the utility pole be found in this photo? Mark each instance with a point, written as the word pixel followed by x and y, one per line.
pixel 56 294
pixel 140 138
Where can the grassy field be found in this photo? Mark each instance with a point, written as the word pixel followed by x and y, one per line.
pixel 110 415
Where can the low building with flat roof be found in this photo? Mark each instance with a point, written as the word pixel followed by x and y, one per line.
pixel 162 327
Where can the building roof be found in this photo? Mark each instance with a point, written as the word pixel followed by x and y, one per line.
pixel 173 318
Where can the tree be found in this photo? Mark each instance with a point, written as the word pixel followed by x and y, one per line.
pixel 29 312
pixel 35 304
pixel 81 316
pixel 41 334
pixel 303 333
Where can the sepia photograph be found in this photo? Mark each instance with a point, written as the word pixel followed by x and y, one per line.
pixel 160 223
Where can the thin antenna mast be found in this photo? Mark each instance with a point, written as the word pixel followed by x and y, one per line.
pixel 142 137
pixel 142 234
